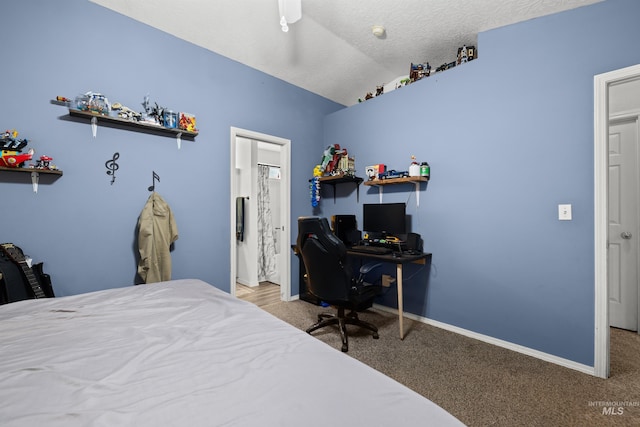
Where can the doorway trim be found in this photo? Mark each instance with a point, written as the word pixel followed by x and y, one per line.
pixel 285 205
pixel 602 83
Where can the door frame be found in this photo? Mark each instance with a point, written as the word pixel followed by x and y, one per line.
pixel 602 83
pixel 285 205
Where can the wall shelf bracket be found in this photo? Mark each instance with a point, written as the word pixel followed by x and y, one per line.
pixel 35 178
pixel 94 126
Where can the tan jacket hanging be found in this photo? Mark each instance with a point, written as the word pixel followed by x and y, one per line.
pixel 157 230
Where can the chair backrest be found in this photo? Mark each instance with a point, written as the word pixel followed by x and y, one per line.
pixel 324 257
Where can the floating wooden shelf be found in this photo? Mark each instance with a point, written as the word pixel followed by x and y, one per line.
pixel 44 171
pixel 132 125
pixel 51 175
pixel 408 179
pixel 415 180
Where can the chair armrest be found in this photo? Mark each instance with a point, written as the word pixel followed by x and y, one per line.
pixel 366 273
pixel 369 266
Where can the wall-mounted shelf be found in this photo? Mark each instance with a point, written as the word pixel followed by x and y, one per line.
pixel 415 180
pixel 120 123
pixel 334 180
pixel 51 175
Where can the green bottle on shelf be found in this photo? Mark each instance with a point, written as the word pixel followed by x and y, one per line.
pixel 425 170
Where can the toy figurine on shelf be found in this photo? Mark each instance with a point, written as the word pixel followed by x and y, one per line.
pixel 9 141
pixel 44 162
pixel 11 155
pixel 419 71
pixel 315 186
pixel 465 54
pixel 93 102
pixel 187 122
pixel 330 158
pixel 125 112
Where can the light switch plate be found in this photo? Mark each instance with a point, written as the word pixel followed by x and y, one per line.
pixel 564 212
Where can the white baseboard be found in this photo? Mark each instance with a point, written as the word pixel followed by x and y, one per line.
pixel 498 342
pixel 247 282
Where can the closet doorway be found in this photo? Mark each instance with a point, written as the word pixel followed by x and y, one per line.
pixel 260 210
pixel 606 101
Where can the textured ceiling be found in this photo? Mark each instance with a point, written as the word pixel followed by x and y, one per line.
pixel 331 51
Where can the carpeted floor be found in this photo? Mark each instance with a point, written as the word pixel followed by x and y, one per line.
pixel 486 385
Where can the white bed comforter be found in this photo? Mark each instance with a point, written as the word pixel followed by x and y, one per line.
pixel 184 353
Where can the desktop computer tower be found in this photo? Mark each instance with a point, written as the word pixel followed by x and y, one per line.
pixel 345 228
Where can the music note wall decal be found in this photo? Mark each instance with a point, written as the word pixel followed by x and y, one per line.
pixel 112 166
pixel 155 177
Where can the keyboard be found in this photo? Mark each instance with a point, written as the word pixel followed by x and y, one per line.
pixel 378 250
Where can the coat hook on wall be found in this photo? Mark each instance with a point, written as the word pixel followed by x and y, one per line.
pixel 154 177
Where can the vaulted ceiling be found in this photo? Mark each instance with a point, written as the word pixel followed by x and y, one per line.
pixel 331 50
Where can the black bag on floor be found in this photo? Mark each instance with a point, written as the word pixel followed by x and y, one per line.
pixel 18 281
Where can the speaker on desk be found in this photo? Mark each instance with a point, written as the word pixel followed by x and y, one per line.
pixel 345 228
pixel 414 242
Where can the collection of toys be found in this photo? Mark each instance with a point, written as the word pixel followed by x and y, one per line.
pixel 11 155
pixel 335 162
pixel 156 115
pixel 381 172
pixel 420 71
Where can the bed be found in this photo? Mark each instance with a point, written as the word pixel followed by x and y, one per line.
pixel 184 353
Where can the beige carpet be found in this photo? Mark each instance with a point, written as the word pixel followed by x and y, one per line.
pixel 485 385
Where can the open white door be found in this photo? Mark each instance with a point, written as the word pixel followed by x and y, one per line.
pixel 623 224
pixel 283 208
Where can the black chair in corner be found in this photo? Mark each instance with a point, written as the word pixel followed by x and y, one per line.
pixel 330 278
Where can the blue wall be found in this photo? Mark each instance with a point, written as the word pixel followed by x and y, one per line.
pixel 508 136
pixel 82 227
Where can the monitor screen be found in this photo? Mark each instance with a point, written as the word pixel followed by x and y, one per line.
pixel 386 218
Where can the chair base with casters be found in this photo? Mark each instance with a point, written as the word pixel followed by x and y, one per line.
pixel 342 320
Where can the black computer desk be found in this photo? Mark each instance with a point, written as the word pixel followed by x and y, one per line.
pixel 399 261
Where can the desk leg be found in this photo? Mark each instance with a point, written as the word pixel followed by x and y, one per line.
pixel 400 299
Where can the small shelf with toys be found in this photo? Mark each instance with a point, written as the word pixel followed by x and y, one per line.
pixel 32 170
pixel 336 168
pixel 132 125
pixel 96 108
pixel 13 160
pixel 379 176
pixel 402 180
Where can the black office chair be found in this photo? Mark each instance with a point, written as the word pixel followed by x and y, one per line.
pixel 330 278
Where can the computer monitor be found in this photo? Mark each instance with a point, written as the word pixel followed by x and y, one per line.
pixel 384 218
